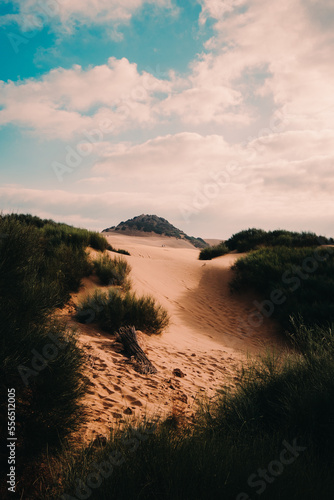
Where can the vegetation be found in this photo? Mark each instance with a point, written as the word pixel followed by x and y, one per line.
pixel 292 282
pixel 214 251
pixel 251 239
pixel 272 437
pixel 57 233
pixel 113 309
pixel 279 421
pixel 39 357
pixel 111 271
pixel 120 251
pixel 158 225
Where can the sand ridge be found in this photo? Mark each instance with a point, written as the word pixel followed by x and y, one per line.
pixel 208 339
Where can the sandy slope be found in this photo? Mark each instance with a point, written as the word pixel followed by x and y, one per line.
pixel 208 338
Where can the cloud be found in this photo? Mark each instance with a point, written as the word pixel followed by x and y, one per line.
pixel 217 9
pixel 288 38
pixel 67 102
pixel 188 178
pixel 289 173
pixel 66 14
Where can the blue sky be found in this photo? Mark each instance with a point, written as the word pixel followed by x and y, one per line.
pixel 210 113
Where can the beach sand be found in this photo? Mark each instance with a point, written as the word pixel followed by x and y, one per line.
pixel 209 337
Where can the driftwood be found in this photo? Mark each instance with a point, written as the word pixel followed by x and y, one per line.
pixel 127 336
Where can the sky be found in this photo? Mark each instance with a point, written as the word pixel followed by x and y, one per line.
pixel 217 115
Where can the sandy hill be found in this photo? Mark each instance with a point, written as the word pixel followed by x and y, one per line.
pixel 154 225
pixel 208 339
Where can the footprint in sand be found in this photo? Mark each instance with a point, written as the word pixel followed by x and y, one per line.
pixel 107 405
pixel 134 401
pixel 106 388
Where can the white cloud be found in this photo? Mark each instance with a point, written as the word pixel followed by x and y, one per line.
pixel 288 39
pixel 66 14
pixel 217 9
pixel 188 177
pixel 66 102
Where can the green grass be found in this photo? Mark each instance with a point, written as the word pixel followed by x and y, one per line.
pixel 112 272
pixel 59 233
pixel 113 309
pixel 210 253
pixel 39 357
pixel 120 251
pixel 252 239
pixel 278 400
pixel 302 279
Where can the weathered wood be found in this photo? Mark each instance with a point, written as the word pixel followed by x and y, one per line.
pixel 127 336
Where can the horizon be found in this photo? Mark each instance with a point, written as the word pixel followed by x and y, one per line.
pixel 209 113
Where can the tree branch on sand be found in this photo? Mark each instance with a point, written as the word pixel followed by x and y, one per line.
pixel 128 337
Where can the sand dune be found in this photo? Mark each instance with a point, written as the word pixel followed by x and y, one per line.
pixel 208 339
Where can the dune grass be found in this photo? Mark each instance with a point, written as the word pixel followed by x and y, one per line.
pixel 270 438
pixel 120 250
pixel 112 272
pixel 39 357
pixel 279 403
pixel 210 253
pixel 113 309
pixel 252 239
pixel 292 282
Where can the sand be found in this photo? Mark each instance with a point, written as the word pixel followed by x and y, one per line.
pixel 209 337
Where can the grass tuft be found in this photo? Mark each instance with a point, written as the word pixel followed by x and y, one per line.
pixel 113 309
pixel 112 272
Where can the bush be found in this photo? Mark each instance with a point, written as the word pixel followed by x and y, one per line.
pixel 213 252
pixel 35 278
pixel 112 309
pixel 304 278
pixel 252 239
pixel 111 271
pixel 48 398
pixel 277 401
pixel 98 242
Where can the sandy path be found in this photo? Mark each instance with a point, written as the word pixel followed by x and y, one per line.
pixel 208 338
pixel 195 293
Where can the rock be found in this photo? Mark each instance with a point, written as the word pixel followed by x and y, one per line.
pixel 178 373
pixel 128 411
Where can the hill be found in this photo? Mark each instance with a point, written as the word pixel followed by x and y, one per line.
pixel 154 224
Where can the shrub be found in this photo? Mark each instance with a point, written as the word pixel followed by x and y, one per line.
pixel 98 242
pixel 120 251
pixel 112 309
pixel 48 398
pixel 277 401
pixel 213 252
pixel 304 293
pixel 252 239
pixel 35 278
pixel 111 271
